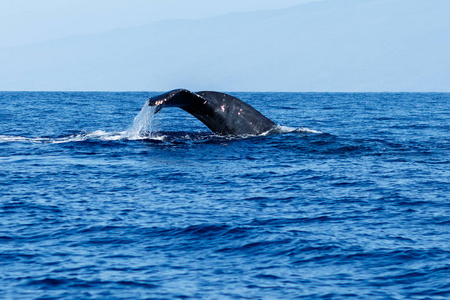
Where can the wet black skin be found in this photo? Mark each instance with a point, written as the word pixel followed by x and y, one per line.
pixel 222 113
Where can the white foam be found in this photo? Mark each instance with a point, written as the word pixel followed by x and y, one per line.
pixel 308 130
pixel 287 129
pixel 98 135
pixel 12 138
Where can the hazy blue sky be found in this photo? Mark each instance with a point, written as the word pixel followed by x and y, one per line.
pixel 326 45
pixel 29 21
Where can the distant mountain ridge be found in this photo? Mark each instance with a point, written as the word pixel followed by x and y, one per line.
pixel 331 45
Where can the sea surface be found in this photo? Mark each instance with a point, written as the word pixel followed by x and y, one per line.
pixel 99 199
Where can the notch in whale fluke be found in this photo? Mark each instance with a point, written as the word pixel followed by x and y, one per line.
pixel 222 113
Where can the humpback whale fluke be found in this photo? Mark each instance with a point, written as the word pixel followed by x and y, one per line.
pixel 222 113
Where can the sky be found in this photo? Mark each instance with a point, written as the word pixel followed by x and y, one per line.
pixel 245 45
pixel 28 21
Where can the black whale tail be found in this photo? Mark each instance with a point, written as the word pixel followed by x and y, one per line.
pixel 222 113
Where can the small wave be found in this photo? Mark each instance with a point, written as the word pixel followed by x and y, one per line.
pixel 137 133
pixel 16 138
pixel 98 135
pixel 134 134
pixel 287 129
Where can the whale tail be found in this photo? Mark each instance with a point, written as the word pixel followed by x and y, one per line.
pixel 221 113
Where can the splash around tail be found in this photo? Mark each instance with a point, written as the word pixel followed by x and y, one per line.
pixel 142 126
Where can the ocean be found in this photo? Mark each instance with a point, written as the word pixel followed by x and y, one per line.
pixel 99 199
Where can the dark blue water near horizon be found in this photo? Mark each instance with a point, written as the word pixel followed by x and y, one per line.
pixel 349 201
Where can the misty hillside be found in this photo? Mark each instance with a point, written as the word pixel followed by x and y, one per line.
pixel 332 45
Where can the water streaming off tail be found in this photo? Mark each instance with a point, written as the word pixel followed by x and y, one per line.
pixel 143 123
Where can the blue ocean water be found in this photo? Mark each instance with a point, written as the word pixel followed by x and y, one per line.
pixel 350 201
